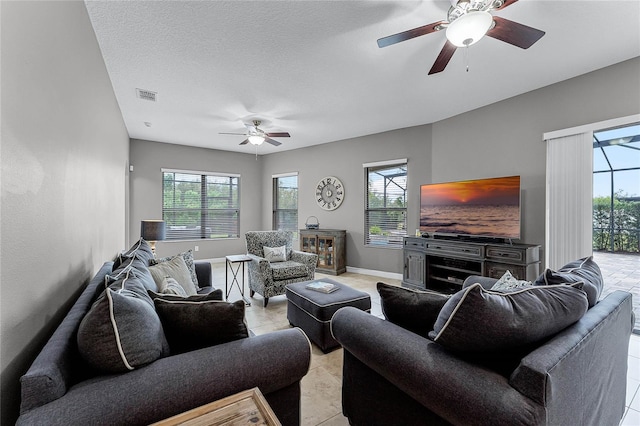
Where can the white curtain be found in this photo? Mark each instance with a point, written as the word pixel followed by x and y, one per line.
pixel 569 199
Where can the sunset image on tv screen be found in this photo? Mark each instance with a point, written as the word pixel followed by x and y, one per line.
pixel 482 207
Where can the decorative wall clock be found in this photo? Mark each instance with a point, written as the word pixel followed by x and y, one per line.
pixel 329 193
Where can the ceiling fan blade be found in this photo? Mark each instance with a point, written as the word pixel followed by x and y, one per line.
pixel 443 58
pixel 278 135
pixel 224 133
pixel 272 142
pixel 505 3
pixel 514 33
pixel 409 34
pixel 244 142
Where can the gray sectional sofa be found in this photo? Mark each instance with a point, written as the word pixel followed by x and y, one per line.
pixel 577 376
pixel 60 388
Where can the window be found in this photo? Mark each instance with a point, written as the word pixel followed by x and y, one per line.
pixel 616 189
pixel 285 203
pixel 198 205
pixel 385 217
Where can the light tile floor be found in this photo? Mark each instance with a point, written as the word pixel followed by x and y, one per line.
pixel 321 387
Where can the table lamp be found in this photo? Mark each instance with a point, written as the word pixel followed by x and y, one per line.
pixel 152 231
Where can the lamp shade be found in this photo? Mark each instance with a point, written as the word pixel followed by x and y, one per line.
pixel 469 28
pixel 153 230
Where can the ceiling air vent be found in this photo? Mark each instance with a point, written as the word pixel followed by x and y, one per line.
pixel 147 95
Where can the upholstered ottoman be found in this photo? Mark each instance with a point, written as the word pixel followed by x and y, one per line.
pixel 312 310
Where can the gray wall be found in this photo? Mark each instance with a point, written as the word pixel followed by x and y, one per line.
pixel 344 160
pixel 505 138
pixel 148 158
pixel 64 155
pixel 498 140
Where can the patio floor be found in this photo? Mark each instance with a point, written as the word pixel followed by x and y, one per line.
pixel 621 272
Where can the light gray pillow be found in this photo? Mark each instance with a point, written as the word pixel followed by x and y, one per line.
pixel 171 286
pixel 479 320
pixel 188 260
pixel 122 331
pixel 175 268
pixel 275 254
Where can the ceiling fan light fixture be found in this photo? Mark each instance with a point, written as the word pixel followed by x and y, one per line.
pixel 256 139
pixel 469 28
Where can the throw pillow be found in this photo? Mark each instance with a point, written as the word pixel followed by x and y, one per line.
pixel 479 320
pixel 275 254
pixel 136 266
pixel 175 268
pixel 581 270
pixel 140 249
pixel 191 325
pixel 122 331
pixel 413 310
pixel 509 283
pixel 171 286
pixel 214 295
pixel 188 260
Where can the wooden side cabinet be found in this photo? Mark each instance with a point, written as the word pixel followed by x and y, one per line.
pixel 329 245
pixel 415 263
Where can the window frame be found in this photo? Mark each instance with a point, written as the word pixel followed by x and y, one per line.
pixel 276 210
pixel 391 241
pixel 199 232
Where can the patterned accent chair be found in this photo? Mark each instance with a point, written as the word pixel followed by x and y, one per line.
pixel 270 278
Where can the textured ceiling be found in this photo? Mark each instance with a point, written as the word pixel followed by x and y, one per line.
pixel 313 68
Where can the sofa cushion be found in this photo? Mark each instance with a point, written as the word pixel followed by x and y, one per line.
pixel 288 270
pixel 140 249
pixel 122 331
pixel 275 254
pixel 413 310
pixel 581 270
pixel 508 282
pixel 479 320
pixel 175 268
pixel 188 260
pixel 200 321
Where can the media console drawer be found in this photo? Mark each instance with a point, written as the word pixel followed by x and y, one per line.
pixel 455 249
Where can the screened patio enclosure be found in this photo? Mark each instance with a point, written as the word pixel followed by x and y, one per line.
pixel 616 190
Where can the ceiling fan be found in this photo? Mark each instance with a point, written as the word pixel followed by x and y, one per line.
pixel 467 22
pixel 256 136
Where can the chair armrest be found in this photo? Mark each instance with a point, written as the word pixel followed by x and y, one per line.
pixel 260 263
pixel 175 384
pixel 456 390
pixel 485 282
pixel 203 272
pixel 600 340
pixel 309 259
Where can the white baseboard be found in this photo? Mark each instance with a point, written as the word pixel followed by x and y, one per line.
pixel 373 272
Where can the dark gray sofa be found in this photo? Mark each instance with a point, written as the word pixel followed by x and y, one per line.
pixel 60 389
pixel 392 376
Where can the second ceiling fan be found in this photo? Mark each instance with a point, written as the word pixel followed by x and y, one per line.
pixel 467 22
pixel 256 136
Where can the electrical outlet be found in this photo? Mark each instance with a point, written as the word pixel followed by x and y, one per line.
pixel 197 248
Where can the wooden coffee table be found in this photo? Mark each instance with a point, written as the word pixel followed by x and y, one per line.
pixel 245 408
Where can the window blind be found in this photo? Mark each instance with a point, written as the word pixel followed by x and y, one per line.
pixel 285 203
pixel 385 218
pixel 196 205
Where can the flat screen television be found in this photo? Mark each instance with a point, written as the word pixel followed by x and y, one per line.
pixel 483 208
